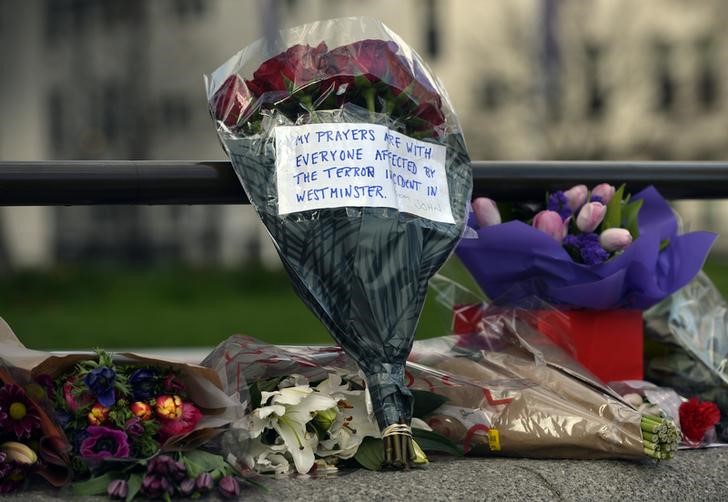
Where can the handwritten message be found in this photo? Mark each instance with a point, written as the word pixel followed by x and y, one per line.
pixel 363 165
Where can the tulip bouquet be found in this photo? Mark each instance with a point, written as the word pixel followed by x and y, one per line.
pixel 598 249
pixel 349 151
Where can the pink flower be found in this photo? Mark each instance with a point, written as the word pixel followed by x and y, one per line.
pixel 550 222
pixel 486 212
pixel 576 196
pixel 181 425
pixel 615 239
pixel 604 191
pixel 590 216
pixel 104 442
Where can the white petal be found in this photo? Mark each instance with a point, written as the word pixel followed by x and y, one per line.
pixel 420 424
pixel 292 395
pixel 299 447
pixel 265 396
pixel 303 412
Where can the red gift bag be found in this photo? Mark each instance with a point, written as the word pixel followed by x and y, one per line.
pixel 609 343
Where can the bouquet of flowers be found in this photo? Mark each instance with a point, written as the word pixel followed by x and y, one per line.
pixel 30 443
pixel 351 155
pixel 598 249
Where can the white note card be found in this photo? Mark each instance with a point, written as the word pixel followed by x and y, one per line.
pixel 362 165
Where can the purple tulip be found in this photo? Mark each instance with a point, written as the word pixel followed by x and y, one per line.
pixel 204 482
pixel 156 487
pixel 164 465
pixel 117 489
pixel 486 212
pixel 604 191
pixel 228 487
pixel 187 487
pixel 590 216
pixel 550 222
pixel 576 196
pixel 615 239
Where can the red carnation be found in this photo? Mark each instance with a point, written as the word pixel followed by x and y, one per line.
pixel 696 417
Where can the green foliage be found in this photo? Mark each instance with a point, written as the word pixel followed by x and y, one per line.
pixel 426 402
pixel 433 441
pixel 613 218
pixel 370 454
pixel 199 461
pixel 94 486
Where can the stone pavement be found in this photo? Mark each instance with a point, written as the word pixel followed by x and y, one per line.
pixel 692 475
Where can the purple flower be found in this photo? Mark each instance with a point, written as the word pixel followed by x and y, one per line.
pixel 156 486
pixel 143 384
pixel 164 465
pixel 228 487
pixel 12 474
pixel 104 442
pixel 101 383
pixel 559 204
pixel 587 248
pixel 18 415
pixel 117 489
pixel 204 482
pixel 134 426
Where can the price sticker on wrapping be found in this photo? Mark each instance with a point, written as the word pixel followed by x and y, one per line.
pixel 361 165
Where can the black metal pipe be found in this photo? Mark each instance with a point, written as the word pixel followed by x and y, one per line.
pixel 59 183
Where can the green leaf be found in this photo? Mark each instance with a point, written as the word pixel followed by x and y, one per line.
pixel 613 218
pixel 135 484
pixel 370 454
pixel 433 441
pixel 199 461
pixel 94 486
pixel 629 217
pixel 426 402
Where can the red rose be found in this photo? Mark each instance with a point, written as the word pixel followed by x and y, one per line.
pixel 289 70
pixel 231 101
pixel 375 59
pixel 696 417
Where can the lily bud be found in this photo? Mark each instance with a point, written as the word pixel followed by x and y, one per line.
pixel 550 222
pixel 18 452
pixel 590 216
pixel 117 489
pixel 615 239
pixel 325 418
pixel 228 487
pixel 141 410
pixel 486 212
pixel 169 407
pixel 576 196
pixel 604 191
pixel 98 414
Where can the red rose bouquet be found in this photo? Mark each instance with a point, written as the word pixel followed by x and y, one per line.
pixel 351 155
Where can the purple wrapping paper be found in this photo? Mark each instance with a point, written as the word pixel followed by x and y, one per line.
pixel 514 263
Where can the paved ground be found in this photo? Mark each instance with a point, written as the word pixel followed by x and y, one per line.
pixel 692 475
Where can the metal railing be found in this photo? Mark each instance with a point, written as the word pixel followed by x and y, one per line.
pixel 59 183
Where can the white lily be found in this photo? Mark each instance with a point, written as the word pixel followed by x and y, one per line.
pixel 288 411
pixel 353 423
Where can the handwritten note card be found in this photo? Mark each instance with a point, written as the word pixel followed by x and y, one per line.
pixel 362 165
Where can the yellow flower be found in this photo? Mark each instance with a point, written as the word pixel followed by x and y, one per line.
pixel 98 414
pixel 169 407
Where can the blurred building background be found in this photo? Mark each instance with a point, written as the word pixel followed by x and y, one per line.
pixel 530 79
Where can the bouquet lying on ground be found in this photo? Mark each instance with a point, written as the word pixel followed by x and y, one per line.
pixel 30 443
pixel 598 249
pixel 504 390
pixel 351 155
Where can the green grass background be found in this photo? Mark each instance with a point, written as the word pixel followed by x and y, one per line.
pixel 116 307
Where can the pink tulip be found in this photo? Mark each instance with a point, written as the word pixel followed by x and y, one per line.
pixel 604 191
pixel 576 196
pixel 590 216
pixel 615 239
pixel 486 212
pixel 550 223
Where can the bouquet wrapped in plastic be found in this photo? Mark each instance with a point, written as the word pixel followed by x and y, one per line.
pixel 350 153
pixel 598 249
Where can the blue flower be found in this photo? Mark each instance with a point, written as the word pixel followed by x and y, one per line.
pixel 100 382
pixel 560 204
pixel 143 384
pixel 587 247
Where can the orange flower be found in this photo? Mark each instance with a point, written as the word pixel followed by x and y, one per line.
pixel 169 407
pixel 98 414
pixel 141 410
